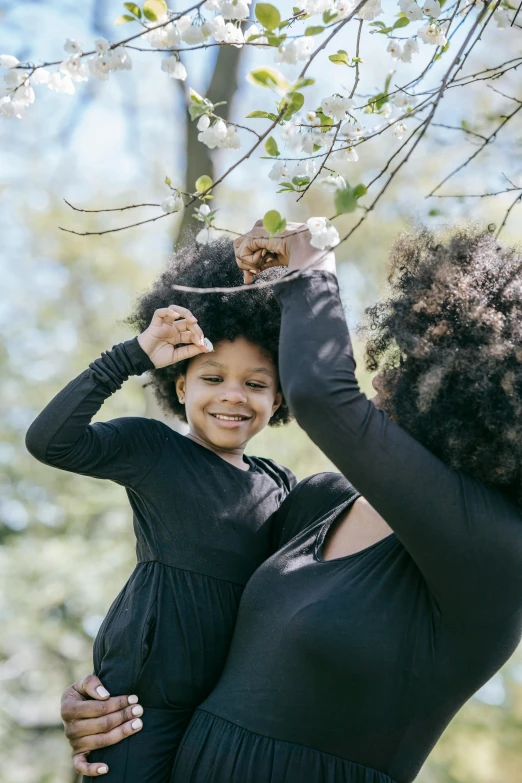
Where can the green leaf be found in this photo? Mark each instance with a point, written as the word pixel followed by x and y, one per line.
pixel 296 10
pixel 359 190
pixel 268 15
pixel 261 115
pixel 275 40
pixel 271 146
pixel 268 77
pixel 124 18
pixel 203 183
pixel 302 82
pixel 326 122
pixel 296 102
pixel 345 200
pixel 273 222
pixel 328 16
pixel 377 24
pixel 402 21
pixel 340 58
pixel 154 9
pixel 300 182
pixel 387 81
pixel 434 212
pixel 168 181
pixel 134 9
pixel 317 30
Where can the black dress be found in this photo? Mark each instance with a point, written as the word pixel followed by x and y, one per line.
pixel 201 529
pixel 348 670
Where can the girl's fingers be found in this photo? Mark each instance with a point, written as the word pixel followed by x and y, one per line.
pixel 188 351
pixel 82 766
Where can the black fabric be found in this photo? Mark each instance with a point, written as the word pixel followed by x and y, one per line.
pixel 202 528
pixel 350 669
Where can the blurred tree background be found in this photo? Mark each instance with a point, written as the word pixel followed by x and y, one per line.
pixel 66 542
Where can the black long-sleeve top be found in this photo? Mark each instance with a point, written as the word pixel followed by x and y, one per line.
pixel 348 670
pixel 201 526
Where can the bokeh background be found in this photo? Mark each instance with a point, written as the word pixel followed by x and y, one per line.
pixel 66 543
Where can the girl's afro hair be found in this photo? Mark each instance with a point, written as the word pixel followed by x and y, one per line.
pixel 448 341
pixel 254 314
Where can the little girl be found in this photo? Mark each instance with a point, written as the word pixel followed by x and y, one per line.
pixel 200 505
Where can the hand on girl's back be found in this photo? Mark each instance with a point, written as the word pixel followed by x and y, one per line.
pixel 173 335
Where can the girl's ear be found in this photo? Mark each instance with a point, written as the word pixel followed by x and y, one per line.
pixel 180 388
pixel 278 399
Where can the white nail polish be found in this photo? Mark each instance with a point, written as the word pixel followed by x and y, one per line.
pixel 208 344
pixel 132 699
pixel 102 770
pixel 136 724
pixel 101 691
pixel 137 710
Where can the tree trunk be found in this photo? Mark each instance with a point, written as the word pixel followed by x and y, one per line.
pixel 222 87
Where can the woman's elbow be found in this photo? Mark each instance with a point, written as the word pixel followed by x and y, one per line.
pixel 35 444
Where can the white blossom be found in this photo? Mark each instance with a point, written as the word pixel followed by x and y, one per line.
pixel 401 99
pixel 295 50
pixel 173 204
pixel 290 134
pixel 202 211
pixel 323 139
pixel 40 76
pixel 75 68
pixel 305 168
pixel 232 140
pixel 371 10
pixel 279 171
pixel 317 6
pixel 24 95
pixel 234 9
pixel 159 38
pixel 8 61
pixel 14 78
pixel 307 145
pixel 343 8
pixel 433 33
pixel 412 11
pixel 120 60
pixel 409 49
pixel 333 182
pixel 336 106
pixel 213 5
pixel 227 32
pixel 431 8
pixel 203 122
pixel 101 45
pixel 72 46
pixel 502 18
pixel 386 109
pixel 174 68
pixel 353 130
pixel 254 30
pixel 194 34
pixel 323 233
pixel 215 135
pixel 347 154
pixel 206 235
pixel 10 108
pixel 100 66
pixel 61 83
pixel 395 49
pixel 312 119
pixel 399 129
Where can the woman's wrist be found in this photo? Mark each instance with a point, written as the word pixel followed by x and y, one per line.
pixel 304 256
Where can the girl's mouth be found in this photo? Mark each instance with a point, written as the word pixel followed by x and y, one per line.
pixel 230 417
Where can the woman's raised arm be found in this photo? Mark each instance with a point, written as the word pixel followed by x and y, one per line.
pixel 465 538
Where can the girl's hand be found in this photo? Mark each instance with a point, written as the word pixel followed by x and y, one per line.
pixel 94 719
pixel 257 251
pixel 171 327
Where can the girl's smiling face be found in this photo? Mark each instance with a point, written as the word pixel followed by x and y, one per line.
pixel 229 395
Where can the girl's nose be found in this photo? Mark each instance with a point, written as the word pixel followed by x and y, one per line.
pixel 233 394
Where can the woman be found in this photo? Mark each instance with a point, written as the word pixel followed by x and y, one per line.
pixel 361 637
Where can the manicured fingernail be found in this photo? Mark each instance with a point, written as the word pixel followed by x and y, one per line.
pixel 101 691
pixel 133 699
pixel 102 770
pixel 208 345
pixel 137 710
pixel 137 724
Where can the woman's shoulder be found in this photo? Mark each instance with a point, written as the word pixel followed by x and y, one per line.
pixel 312 498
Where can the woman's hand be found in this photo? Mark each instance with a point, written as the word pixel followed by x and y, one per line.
pixel 94 719
pixel 171 327
pixel 257 251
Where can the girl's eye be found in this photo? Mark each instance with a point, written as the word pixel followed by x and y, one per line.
pixel 212 379
pixel 255 385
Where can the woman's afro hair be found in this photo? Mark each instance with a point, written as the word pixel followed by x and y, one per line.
pixel 448 342
pixel 254 314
